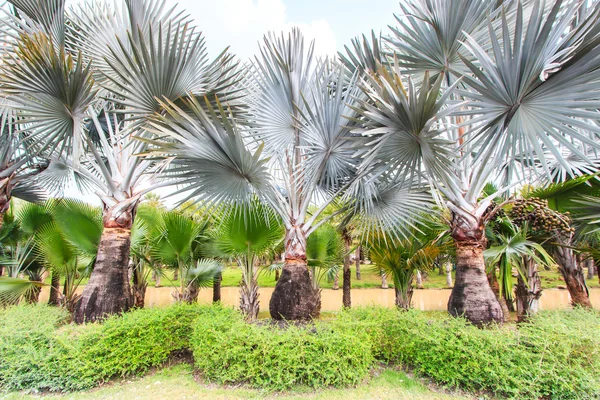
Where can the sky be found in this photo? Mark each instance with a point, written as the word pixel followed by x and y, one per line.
pixel 332 23
pixel 240 24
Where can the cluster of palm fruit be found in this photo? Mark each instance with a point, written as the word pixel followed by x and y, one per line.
pixel 540 218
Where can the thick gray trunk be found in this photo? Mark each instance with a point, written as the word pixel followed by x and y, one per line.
pixel 472 296
pixel 108 291
pixel 294 297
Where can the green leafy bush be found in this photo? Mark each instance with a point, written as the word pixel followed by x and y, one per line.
pixel 227 350
pixel 36 353
pixel 555 355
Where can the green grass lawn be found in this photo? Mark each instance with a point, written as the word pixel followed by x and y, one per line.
pixel 179 382
pixel 369 279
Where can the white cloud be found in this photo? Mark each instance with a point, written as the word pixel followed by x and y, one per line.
pixel 241 24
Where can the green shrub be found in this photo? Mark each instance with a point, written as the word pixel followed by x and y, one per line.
pixel 136 341
pixel 556 355
pixel 228 350
pixel 36 353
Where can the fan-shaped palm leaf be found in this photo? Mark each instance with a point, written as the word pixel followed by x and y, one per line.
pixel 539 91
pixel 203 273
pixel 53 90
pixel 80 224
pixel 211 161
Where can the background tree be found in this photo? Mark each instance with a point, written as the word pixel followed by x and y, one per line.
pixel 245 233
pixel 179 242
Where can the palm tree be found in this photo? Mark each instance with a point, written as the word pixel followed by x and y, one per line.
pixel 61 237
pixel 557 200
pixel 486 82
pixel 324 253
pixel 403 258
pixel 180 242
pixel 64 67
pixel 301 119
pixel 148 218
pixel 246 233
pixel 513 246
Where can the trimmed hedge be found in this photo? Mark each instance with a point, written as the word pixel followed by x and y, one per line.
pixel 228 350
pixel 555 355
pixel 36 354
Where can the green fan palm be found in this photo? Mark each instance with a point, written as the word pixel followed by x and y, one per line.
pixel 246 233
pixel 325 253
pixel 401 259
pixel 61 237
pixel 174 243
pixel 513 248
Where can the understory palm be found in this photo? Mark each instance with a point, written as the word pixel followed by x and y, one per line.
pixel 245 233
pixel 61 237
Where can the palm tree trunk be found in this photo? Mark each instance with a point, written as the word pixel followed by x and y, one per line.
pixel 347 278
pixel 528 293
pixel 449 274
pixel 403 298
pixel 217 287
pixel 384 284
pixel 472 296
pixel 54 289
pixel 357 263
pixel 249 304
pixel 139 287
pixel 336 281
pixel 403 288
pixel 107 291
pixel 572 273
pixel 5 196
pixel 190 294
pixel 419 280
pixel 294 297
pixel 591 267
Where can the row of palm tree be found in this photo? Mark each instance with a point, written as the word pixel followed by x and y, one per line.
pixel 61 238
pixel 459 94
